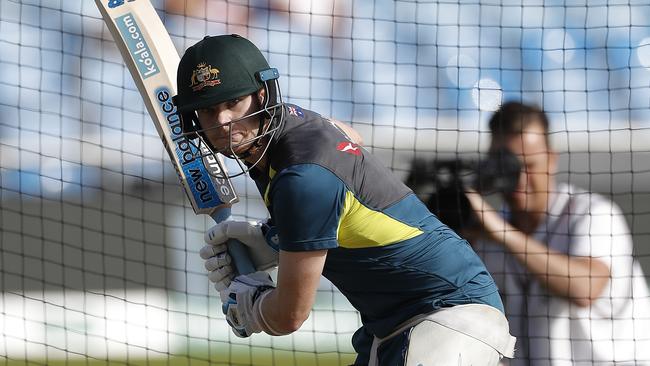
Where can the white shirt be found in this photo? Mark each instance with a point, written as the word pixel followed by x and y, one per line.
pixel 615 329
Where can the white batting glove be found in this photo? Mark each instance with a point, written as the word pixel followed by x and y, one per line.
pixel 217 262
pixel 242 303
pixel 261 244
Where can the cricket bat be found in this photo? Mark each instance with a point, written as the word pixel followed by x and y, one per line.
pixel 152 59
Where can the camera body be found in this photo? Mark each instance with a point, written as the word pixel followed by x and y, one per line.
pixel 441 183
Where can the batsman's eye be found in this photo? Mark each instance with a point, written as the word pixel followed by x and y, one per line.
pixel 233 102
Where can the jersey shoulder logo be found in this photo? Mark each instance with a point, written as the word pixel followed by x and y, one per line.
pixel 203 76
pixel 349 147
pixel 295 111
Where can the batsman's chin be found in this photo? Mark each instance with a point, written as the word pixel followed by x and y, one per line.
pixel 234 149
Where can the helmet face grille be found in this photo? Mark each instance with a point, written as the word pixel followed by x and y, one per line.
pixel 271 119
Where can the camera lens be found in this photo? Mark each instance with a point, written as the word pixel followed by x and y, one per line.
pixel 498 172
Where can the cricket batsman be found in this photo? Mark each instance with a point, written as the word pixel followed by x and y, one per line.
pixel 423 294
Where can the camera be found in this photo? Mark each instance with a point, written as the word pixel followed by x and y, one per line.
pixel 441 183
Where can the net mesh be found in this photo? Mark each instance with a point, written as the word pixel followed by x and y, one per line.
pixel 99 247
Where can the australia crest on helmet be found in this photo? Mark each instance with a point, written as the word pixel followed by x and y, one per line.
pixel 203 76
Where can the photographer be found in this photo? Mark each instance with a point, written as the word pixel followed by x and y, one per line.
pixel 562 258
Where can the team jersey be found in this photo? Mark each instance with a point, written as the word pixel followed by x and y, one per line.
pixel 390 256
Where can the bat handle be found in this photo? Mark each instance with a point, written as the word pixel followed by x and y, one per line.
pixel 237 250
pixel 239 255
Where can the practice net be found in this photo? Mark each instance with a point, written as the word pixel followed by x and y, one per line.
pixel 99 247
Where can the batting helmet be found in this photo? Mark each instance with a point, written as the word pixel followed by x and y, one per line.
pixel 222 68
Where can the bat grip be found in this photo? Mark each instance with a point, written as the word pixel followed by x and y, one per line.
pixel 236 250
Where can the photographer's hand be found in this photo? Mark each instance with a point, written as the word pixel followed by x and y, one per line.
pixel 580 279
pixel 495 228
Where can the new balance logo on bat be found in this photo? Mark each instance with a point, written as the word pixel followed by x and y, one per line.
pixel 349 147
pixel 202 185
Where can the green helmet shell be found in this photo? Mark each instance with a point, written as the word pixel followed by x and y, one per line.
pixel 217 69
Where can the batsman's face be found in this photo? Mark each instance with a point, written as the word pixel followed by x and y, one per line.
pixel 226 125
pixel 537 178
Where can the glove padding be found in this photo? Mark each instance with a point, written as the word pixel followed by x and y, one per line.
pixel 262 249
pixel 242 305
pixel 217 262
pixel 261 244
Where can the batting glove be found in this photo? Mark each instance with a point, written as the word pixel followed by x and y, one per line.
pixel 243 300
pixel 260 239
pixel 217 262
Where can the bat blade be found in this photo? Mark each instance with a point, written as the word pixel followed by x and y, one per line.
pixel 152 60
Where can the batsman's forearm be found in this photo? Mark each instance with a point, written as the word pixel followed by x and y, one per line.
pixel 289 305
pixel 279 320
